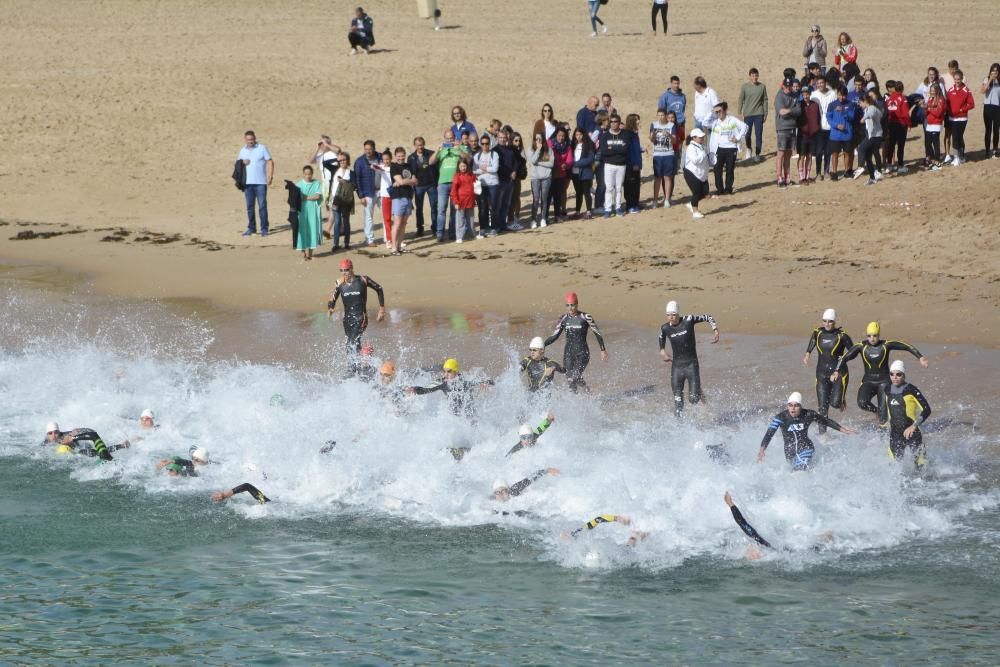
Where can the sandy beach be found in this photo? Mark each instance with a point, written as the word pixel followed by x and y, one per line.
pixel 121 122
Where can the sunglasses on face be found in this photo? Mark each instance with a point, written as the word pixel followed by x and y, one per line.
pixel 828 321
pixel 345 270
pixel 895 375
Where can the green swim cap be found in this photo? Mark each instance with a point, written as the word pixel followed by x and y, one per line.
pixel 277 401
pixel 175 468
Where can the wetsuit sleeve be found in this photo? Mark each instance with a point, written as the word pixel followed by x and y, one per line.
pixel 100 449
pixel 560 325
pixel 524 364
pixel 850 354
pixel 515 449
pixel 542 427
pixel 597 332
pixel 828 422
pixel 848 343
pixel 811 345
pixel 705 318
pixel 749 530
pixel 372 285
pixel 594 523
pixel 663 337
pixel 902 347
pixel 772 428
pixel 336 295
pixel 253 491
pixel 520 487
pixel 925 411
pixel 427 390
pixel 555 364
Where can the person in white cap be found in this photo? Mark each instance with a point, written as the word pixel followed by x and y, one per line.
pixel 146 420
pixel 794 422
pixel 908 409
pixel 502 492
pixel 177 466
pixel 537 368
pixel 696 163
pixel 85 441
pixel 528 437
pixel 830 342
pixel 680 332
pixel 815 50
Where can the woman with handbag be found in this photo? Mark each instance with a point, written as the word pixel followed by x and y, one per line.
pixel 342 186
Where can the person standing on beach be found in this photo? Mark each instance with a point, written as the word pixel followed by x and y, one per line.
pixel 823 96
pixel 960 103
pixel 403 183
pixel 354 291
pixel 260 173
pixel 705 101
pixel 586 118
pixel 674 99
pixel 787 110
pixel 366 182
pixel 991 111
pixel 727 135
pixel 696 165
pixel 753 107
pixel 661 7
pixel 830 343
pixel 426 174
pixel 871 156
pixel 815 49
pixel 680 332
pixel 341 187
pixel 310 218
pixel 663 134
pixel 327 160
pixel 445 160
pixel 576 354
pixel 613 155
pixel 461 123
pixel 541 163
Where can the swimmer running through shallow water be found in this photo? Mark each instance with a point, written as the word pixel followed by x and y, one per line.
pixel 908 410
pixel 794 423
pixel 528 437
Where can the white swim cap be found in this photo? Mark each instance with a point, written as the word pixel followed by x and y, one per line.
pixel 897 367
pixel 51 426
pixel 672 308
pixel 499 484
pixel 795 397
pixel 830 314
pixel 201 454
pixel 536 343
pixel 146 413
pixel 524 430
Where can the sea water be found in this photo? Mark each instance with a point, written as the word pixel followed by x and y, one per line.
pixel 385 550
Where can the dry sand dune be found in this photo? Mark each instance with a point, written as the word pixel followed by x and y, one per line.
pixel 128 114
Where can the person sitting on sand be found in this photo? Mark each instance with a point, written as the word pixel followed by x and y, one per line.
pixel 360 35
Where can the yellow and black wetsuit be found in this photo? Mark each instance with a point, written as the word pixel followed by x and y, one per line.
pixel 876 379
pixel 534 370
pixel 829 346
pixel 907 406
pixel 595 522
pixel 87 442
pixel 257 494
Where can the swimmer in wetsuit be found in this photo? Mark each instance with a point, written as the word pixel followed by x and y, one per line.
pixel 177 466
pixel 680 332
pixel 83 441
pixel 255 493
pixel 794 423
pixel 908 409
pixel 458 390
pixel 576 353
pixel 353 290
pixel 537 368
pixel 875 353
pixel 528 437
pixel 753 553
pixel 502 492
pixel 830 343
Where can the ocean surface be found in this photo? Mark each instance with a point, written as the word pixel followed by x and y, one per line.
pixel 387 551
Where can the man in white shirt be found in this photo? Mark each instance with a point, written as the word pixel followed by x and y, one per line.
pixel 259 173
pixel 824 97
pixel 705 100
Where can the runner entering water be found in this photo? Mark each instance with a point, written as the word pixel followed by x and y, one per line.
pixel 830 343
pixel 794 423
pixel 680 332
pixel 353 289
pixel 908 410
pixel 576 354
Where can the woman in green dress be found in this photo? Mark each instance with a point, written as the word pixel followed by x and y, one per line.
pixel 310 213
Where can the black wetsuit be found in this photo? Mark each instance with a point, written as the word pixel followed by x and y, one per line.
pixel 750 531
pixel 685 357
pixel 535 371
pixel 594 523
pixel 459 392
pixel 355 296
pixel 799 449
pixel 182 467
pixel 829 346
pixel 576 353
pixel 256 493
pixel 522 486
pixel 86 442
pixel 535 432
pixel 907 406
pixel 876 379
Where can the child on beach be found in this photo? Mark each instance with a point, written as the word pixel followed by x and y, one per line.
pixel 463 196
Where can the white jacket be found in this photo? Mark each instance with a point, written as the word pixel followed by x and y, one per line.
pixel 696 160
pixel 726 133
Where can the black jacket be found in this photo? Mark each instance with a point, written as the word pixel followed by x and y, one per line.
pixel 240 175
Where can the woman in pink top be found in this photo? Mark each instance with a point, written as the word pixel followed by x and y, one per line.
pixel 562 156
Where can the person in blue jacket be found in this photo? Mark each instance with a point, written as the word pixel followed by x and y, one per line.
pixel 842 115
pixel 586 117
pixel 674 99
pixel 633 172
pixel 365 186
pixel 583 169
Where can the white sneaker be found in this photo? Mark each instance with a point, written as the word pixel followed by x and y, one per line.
pixel 534 224
pixel 858 172
pixel 697 215
pixel 878 176
pixel 689 207
pixel 666 203
pixel 479 236
pixel 605 29
pixel 957 161
pixel 903 170
pixel 947 159
pixel 543 223
pixel 593 34
pixel 354 52
pixel 746 154
pixel 458 240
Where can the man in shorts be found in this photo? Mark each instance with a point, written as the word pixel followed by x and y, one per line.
pixel 786 113
pixel 662 133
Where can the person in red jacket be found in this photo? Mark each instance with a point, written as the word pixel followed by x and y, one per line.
pixel 935 110
pixel 463 196
pixel 809 125
pixel 960 103
pixel 898 110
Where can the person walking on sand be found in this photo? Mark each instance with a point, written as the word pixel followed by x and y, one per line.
pixel 310 217
pixel 752 106
pixel 259 175
pixel 696 163
pixel 593 7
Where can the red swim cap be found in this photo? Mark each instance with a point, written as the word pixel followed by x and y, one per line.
pixel 571 297
pixel 367 349
pixel 346 264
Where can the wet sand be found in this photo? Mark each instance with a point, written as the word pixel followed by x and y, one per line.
pixel 133 121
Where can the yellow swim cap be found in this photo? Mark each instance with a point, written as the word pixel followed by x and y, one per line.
pixel 64 449
pixel 872 329
pixel 451 365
